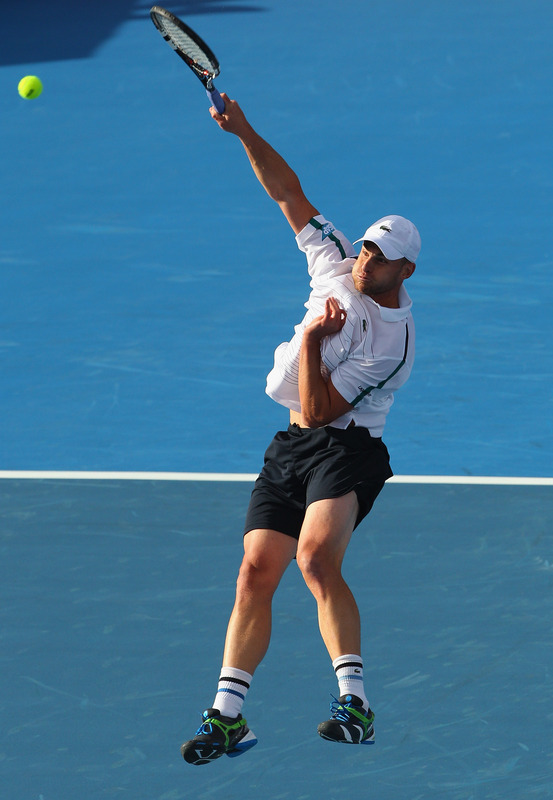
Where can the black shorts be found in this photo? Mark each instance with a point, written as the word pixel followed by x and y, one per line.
pixel 303 465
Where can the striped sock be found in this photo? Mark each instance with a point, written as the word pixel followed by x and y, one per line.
pixel 349 671
pixel 231 691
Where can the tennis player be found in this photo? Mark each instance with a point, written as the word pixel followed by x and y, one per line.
pixel 337 375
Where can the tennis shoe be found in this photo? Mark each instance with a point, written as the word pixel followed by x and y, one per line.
pixel 350 723
pixel 218 736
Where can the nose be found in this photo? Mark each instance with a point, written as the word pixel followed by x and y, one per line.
pixel 365 261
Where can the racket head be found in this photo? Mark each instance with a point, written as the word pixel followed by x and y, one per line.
pixel 187 44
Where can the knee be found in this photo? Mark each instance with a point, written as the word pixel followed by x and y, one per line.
pixel 256 578
pixel 319 568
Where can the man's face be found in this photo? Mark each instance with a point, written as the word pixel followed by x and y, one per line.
pixel 378 277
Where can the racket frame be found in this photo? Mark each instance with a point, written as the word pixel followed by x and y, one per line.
pixel 206 76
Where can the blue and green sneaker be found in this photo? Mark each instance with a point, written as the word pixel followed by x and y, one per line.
pixel 350 723
pixel 218 736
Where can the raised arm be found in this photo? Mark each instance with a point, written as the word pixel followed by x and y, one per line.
pixel 277 178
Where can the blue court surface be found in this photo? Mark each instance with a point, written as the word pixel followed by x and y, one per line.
pixel 145 280
pixel 115 598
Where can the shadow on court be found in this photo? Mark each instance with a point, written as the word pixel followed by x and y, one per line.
pixel 115 597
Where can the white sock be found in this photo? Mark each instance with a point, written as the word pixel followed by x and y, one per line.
pixel 349 671
pixel 231 691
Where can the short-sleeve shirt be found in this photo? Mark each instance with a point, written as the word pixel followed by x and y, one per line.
pixel 369 358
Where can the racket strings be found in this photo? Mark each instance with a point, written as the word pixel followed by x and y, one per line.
pixel 181 41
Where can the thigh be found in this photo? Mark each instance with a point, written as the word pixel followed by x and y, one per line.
pixel 328 526
pixel 277 502
pixel 272 509
pixel 351 461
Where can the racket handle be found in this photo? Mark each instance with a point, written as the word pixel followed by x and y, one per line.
pixel 216 99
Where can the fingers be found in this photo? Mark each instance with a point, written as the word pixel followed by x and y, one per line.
pixel 215 114
pixel 330 322
pixel 232 119
pixel 333 310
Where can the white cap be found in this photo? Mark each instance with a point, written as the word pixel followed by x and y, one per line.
pixel 396 236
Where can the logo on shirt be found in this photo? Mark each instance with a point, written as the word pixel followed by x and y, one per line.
pixel 327 229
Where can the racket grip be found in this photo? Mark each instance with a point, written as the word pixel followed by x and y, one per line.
pixel 216 99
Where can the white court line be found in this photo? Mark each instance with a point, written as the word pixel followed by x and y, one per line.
pixel 125 476
pixel 245 477
pixel 472 480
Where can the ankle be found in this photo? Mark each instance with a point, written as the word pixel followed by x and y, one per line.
pixel 349 672
pixel 231 691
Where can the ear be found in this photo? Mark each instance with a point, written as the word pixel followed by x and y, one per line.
pixel 408 269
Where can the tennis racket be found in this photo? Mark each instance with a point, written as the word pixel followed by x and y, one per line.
pixel 193 51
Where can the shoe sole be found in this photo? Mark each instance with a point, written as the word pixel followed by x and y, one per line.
pixel 245 744
pixel 199 753
pixel 323 732
pixel 370 740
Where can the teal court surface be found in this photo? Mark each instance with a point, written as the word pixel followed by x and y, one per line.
pixel 115 598
pixel 145 281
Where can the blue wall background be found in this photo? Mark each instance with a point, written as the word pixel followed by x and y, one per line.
pixel 145 279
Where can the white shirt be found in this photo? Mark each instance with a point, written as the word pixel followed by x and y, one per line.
pixel 369 358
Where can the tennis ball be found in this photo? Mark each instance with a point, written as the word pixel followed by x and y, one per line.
pixel 29 87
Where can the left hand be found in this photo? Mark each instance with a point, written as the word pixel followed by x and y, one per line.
pixel 328 323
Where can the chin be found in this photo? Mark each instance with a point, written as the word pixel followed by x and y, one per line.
pixel 362 286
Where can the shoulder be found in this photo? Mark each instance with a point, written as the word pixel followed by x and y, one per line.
pixel 319 232
pixel 329 253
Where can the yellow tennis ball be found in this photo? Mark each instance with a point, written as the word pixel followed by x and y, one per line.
pixel 29 87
